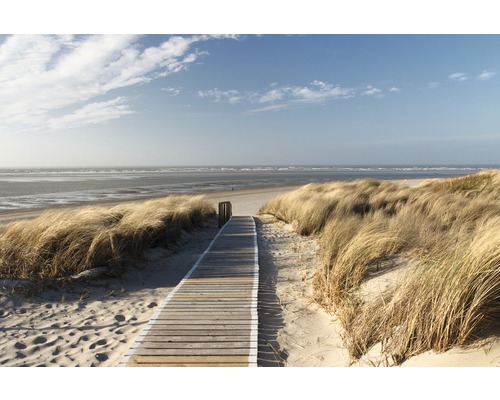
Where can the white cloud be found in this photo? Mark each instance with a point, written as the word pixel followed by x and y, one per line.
pixel 458 76
pixel 272 107
pixel 432 85
pixel 373 91
pixel 319 92
pixel 219 96
pixel 172 91
pixel 92 113
pixel 272 95
pixel 394 89
pixel 486 75
pixel 43 75
pixel 287 96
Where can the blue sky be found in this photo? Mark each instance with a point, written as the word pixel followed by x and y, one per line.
pixel 72 100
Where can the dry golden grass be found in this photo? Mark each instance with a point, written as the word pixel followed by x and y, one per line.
pixel 450 228
pixel 60 244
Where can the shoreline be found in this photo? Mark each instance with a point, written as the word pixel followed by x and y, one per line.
pixel 239 196
pixel 7 216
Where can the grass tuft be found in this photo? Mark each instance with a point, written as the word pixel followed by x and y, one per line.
pixel 449 228
pixel 60 244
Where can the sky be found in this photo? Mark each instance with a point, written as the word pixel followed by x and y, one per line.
pixel 248 99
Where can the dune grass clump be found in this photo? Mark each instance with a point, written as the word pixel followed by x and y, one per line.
pixel 449 228
pixel 60 244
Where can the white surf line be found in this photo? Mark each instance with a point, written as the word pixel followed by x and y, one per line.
pixel 162 305
pixel 254 330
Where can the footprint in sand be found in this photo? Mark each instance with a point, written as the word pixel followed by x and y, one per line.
pixel 101 342
pixel 39 340
pixel 20 346
pixel 101 357
pixel 120 318
pixel 152 304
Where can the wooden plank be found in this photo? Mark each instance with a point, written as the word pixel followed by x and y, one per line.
pixel 215 294
pixel 190 359
pixel 187 364
pixel 205 321
pixel 228 279
pixel 192 352
pixel 206 318
pixel 197 312
pixel 199 332
pixel 214 306
pixel 195 338
pixel 226 286
pixel 214 302
pixel 210 285
pixel 198 345
pixel 212 312
pixel 243 303
pixel 194 327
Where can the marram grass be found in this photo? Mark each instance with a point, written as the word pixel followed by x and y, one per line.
pixel 449 228
pixel 62 243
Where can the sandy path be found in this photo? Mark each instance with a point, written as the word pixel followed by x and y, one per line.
pixel 295 331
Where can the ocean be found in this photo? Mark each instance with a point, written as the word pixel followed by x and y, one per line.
pixel 31 188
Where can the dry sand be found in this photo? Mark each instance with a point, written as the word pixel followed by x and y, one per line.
pixel 94 323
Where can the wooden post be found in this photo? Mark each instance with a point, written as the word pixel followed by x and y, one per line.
pixel 225 212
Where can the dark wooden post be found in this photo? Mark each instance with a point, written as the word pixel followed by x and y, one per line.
pixel 225 212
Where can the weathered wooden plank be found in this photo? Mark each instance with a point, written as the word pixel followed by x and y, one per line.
pixel 214 306
pixel 198 345
pixel 188 364
pixel 194 327
pixel 192 352
pixel 218 286
pixel 214 295
pixel 211 312
pixel 230 280
pixel 207 314
pixel 242 302
pixel 209 285
pixel 206 318
pixel 228 359
pixel 199 332
pixel 242 312
pixel 195 338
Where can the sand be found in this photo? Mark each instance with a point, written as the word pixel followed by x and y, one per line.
pixel 94 323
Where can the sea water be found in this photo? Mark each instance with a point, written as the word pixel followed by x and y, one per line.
pixel 27 188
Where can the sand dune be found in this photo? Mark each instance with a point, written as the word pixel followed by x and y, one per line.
pixel 94 323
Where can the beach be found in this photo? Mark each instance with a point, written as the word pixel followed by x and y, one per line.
pixel 93 323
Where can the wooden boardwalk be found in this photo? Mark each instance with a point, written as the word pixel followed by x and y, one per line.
pixel 210 318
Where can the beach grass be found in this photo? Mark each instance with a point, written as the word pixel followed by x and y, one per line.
pixel 448 230
pixel 62 243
